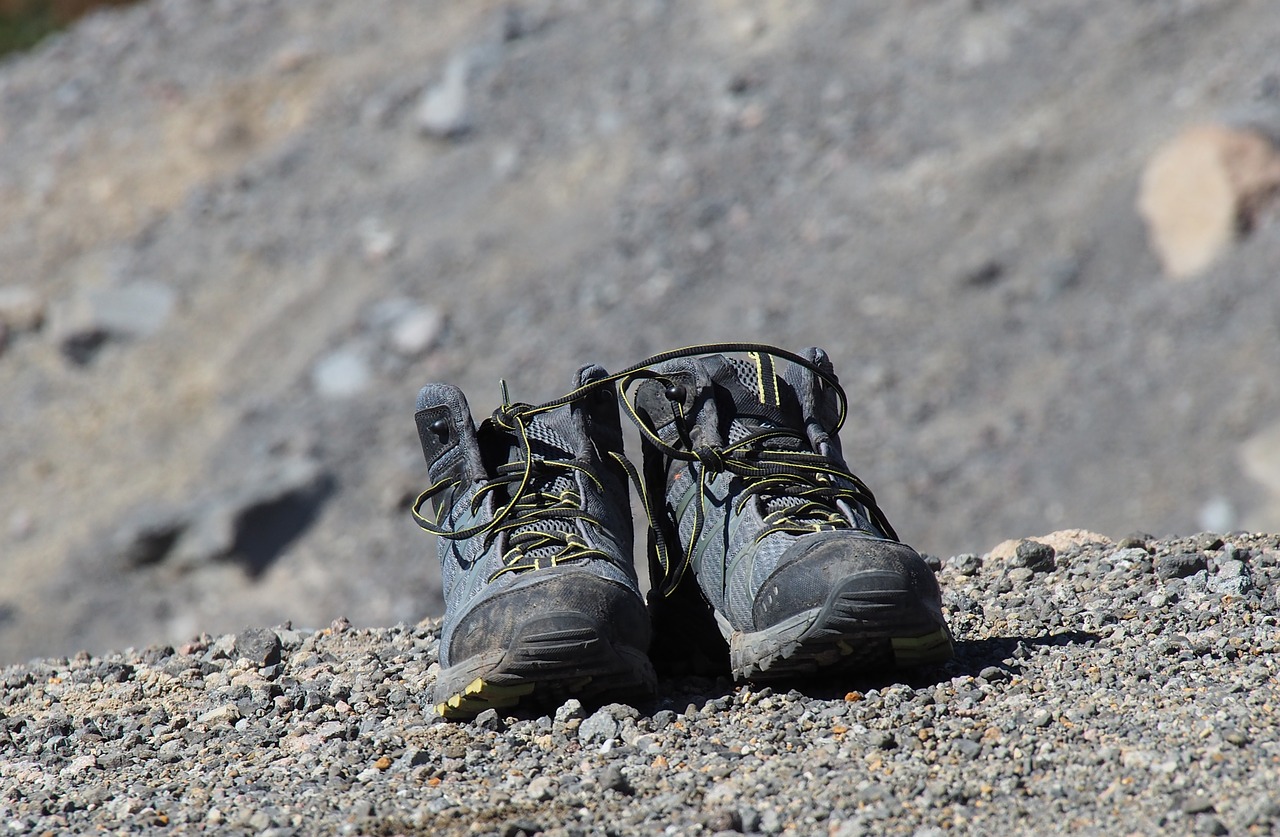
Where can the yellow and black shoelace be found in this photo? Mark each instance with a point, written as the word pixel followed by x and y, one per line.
pixel 773 463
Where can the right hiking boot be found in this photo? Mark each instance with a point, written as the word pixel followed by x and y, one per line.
pixel 535 541
pixel 771 558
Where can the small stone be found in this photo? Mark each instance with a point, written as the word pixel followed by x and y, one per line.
pixel 226 714
pixel 1180 565
pixel 1259 457
pixel 1021 576
pixel 377 240
pixel 541 788
pixel 79 764
pixel 260 646
pixel 1041 719
pixel 417 331
pixel 600 726
pixel 342 373
pixel 1208 542
pixel 83 324
pixel 21 308
pixel 722 820
pixel 993 674
pixel 1136 540
pixel 1198 804
pixel 1237 738
pixel 966 564
pixel 1201 190
pixel 1035 556
pixel 884 741
pixel 571 708
pixel 444 112
pixel 488 719
pixel 614 779
pixel 146 536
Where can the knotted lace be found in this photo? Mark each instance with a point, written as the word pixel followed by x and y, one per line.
pixel 800 490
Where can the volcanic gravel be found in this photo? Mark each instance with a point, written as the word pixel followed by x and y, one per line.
pixel 1125 687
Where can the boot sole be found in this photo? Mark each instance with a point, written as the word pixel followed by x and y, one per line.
pixel 552 658
pixel 854 631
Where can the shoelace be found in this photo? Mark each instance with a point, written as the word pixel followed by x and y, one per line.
pixel 826 492
pixel 531 502
pixel 773 466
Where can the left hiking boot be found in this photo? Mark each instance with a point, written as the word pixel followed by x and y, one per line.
pixel 535 540
pixel 792 560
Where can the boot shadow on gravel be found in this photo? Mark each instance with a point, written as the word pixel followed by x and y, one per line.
pixel 973 658
pixel 986 658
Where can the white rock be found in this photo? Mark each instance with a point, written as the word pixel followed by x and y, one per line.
pixel 226 714
pixel 138 309
pixel 21 308
pixel 377 240
pixel 416 331
pixel 444 112
pixel 342 373
pixel 1217 515
pixel 1260 458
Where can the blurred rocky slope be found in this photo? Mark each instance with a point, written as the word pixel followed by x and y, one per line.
pixel 236 236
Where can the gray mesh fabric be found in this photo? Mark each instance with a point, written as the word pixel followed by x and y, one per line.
pixel 472 568
pixel 731 560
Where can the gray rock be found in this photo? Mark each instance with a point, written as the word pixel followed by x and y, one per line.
pixel 21 308
pixel 416 331
pixel 1021 576
pixel 83 324
pixel 1180 565
pixel 612 778
pixel 261 646
pixel 541 788
pixel 600 726
pixel 488 719
pixel 1035 556
pixel 146 536
pixel 569 710
pixel 342 373
pixel 725 819
pixel 444 112
pixel 253 520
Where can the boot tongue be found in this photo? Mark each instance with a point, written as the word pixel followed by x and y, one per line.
pixel 547 441
pixel 759 400
pixel 548 436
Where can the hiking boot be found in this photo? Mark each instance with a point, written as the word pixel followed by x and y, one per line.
pixel 535 540
pixel 792 560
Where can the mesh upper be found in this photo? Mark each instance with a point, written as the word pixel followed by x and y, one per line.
pixel 749 563
pixel 468 566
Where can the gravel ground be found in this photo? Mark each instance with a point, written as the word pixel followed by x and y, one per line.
pixel 1126 687
pixel 237 236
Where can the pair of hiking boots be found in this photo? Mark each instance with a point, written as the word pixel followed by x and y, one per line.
pixel 768 558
